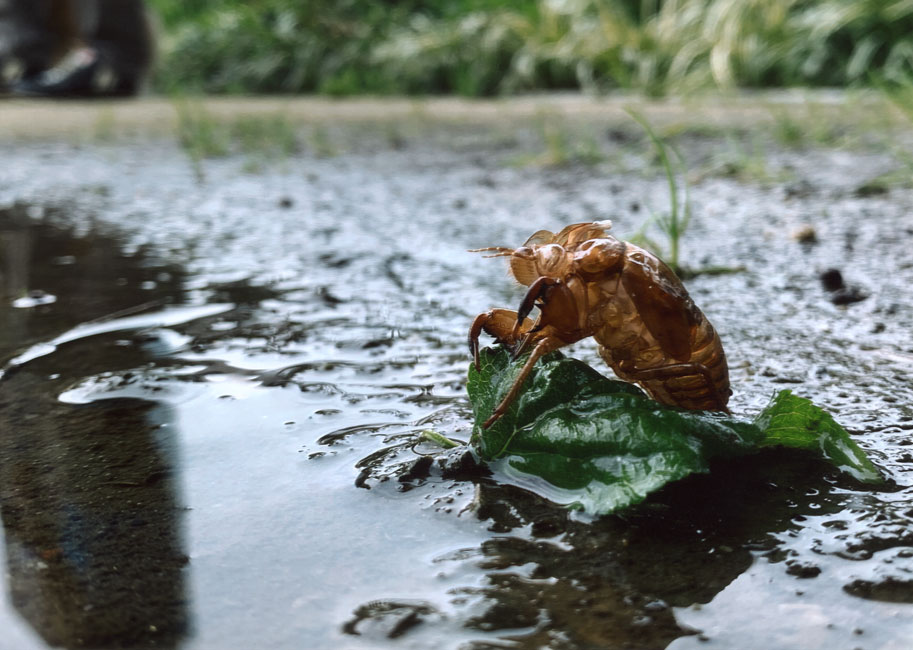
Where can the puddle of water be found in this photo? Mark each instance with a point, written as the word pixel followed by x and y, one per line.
pixel 813 613
pixel 89 277
pixel 223 454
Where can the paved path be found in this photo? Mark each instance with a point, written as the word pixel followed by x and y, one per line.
pixel 44 118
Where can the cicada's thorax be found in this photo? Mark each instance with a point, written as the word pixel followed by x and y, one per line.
pixel 616 324
pixel 579 305
pixel 566 313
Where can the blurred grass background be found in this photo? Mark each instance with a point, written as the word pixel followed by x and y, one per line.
pixel 501 47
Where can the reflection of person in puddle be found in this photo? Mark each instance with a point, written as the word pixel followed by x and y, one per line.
pixel 74 48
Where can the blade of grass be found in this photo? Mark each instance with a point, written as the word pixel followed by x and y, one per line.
pixel 676 220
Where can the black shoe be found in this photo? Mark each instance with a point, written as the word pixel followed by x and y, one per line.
pixel 82 73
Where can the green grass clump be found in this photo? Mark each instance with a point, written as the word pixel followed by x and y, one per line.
pixel 487 47
pixel 199 134
pixel 562 144
pixel 269 135
pixel 260 138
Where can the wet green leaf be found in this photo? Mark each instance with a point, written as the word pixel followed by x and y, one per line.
pixel 792 421
pixel 601 444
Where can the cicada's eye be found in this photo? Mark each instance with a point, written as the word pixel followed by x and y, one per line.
pixel 523 265
pixel 599 256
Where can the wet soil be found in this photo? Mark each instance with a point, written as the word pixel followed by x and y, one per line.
pixel 214 383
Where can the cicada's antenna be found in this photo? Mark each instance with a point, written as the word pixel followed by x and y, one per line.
pixel 502 251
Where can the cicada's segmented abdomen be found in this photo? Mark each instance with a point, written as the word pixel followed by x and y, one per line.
pixel 700 384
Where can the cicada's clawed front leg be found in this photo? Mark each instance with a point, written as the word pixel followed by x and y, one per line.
pixel 514 328
pixel 509 328
pixel 535 295
pixel 503 325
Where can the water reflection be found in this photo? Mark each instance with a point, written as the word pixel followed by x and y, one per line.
pixel 15 247
pixel 91 519
pixel 554 580
pixel 88 277
pixel 15 252
pixel 88 496
pixel 615 581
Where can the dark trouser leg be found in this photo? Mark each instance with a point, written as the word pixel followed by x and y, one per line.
pixel 123 38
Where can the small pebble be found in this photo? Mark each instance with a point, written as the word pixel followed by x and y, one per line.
pixel 832 280
pixel 805 234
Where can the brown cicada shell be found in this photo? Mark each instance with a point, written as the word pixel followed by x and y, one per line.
pixel 587 283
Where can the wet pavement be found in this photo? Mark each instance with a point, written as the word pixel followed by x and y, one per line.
pixel 215 376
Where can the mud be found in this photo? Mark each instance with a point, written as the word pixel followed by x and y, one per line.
pixel 215 382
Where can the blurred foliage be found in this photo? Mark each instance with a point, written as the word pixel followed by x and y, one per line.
pixel 487 47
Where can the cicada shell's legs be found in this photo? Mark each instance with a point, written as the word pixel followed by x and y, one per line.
pixel 543 347
pixel 522 346
pixel 680 370
pixel 537 291
pixel 474 331
pixel 502 324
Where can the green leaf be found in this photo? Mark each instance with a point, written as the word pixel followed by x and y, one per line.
pixel 584 440
pixel 551 383
pixel 792 421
